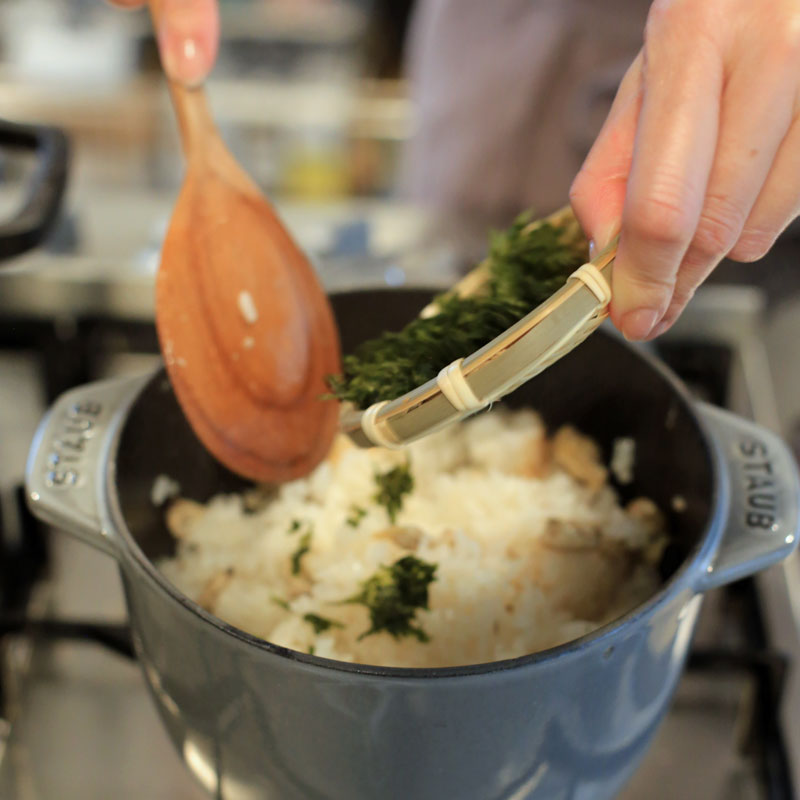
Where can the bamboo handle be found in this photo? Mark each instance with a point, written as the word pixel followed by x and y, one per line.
pixel 604 260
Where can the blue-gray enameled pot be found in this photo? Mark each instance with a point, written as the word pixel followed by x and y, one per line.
pixel 253 720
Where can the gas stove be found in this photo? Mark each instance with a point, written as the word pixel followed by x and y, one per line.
pixel 75 718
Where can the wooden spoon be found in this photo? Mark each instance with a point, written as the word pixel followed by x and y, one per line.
pixel 247 333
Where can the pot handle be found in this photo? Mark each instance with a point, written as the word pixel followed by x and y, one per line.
pixel 67 461
pixel 33 221
pixel 763 488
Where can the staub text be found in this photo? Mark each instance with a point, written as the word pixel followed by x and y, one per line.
pixel 761 499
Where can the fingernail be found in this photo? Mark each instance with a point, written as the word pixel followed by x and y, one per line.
pixel 184 58
pixel 592 249
pixel 662 327
pixel 636 325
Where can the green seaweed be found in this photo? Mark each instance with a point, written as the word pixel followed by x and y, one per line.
pixel 321 624
pixel 393 485
pixel 394 594
pixel 526 265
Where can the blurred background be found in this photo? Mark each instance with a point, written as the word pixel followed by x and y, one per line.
pixel 375 125
pixel 308 95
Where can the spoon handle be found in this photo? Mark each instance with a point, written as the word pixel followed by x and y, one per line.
pixel 190 103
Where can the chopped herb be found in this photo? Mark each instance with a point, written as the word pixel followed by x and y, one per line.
pixel 279 601
pixel 526 265
pixel 295 526
pixel 321 624
pixel 357 513
pixel 392 486
pixel 394 594
pixel 302 548
pixel 312 650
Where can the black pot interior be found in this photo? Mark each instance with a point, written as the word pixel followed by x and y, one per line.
pixel 604 388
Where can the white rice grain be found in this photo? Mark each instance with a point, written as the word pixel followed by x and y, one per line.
pixel 528 556
pixel 247 308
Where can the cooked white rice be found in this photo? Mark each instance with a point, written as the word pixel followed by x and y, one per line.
pixel 532 546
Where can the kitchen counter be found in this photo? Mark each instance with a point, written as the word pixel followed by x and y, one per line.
pixel 110 271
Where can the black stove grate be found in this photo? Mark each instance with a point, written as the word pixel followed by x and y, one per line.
pixel 760 738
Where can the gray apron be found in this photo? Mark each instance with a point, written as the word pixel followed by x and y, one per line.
pixel 508 97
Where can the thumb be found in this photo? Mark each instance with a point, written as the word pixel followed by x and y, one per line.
pixel 598 191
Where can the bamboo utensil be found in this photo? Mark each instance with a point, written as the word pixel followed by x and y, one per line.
pixel 471 383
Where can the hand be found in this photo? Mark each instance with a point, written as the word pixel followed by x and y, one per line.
pixel 700 155
pixel 188 37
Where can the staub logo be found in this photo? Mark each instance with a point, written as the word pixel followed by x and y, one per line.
pixel 68 448
pixel 761 501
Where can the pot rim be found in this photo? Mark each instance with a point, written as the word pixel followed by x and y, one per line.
pixel 128 550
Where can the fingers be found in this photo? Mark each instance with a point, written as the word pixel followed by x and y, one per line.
pixel 188 36
pixel 673 154
pixel 713 171
pixel 755 115
pixel 777 204
pixel 598 191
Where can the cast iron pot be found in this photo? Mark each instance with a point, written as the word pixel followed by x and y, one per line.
pixel 253 720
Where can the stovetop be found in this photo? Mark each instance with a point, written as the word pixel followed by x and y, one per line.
pixel 76 721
